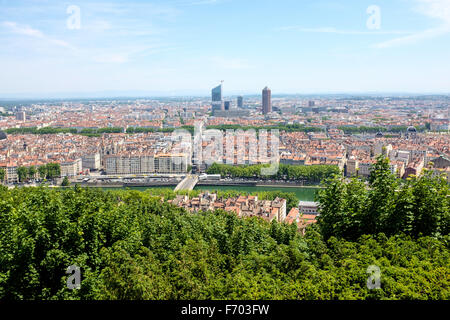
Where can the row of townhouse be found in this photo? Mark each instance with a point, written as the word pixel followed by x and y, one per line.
pixel 363 168
pixel 69 168
pixel 242 206
pixel 146 164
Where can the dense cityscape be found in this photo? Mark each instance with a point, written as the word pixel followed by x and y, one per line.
pixel 317 170
pixel 109 136
pixel 132 142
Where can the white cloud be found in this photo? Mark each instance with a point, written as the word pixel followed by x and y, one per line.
pixel 93 54
pixel 337 31
pixel 435 9
pixel 23 30
pixel 414 38
pixel 34 33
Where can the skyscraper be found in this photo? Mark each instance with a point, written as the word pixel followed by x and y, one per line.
pixel 240 102
pixel 216 95
pixel 227 105
pixel 266 100
pixel 21 116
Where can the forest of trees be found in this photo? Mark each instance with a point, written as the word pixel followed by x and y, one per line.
pixel 132 130
pixel 280 127
pixel 365 129
pixel 133 245
pixel 223 127
pixel 46 171
pixel 312 174
pixel 35 130
pixel 416 207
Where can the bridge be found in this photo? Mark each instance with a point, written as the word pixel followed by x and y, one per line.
pixel 187 183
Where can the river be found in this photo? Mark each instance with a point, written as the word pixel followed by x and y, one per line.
pixel 302 193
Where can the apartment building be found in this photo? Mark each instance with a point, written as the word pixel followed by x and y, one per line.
pixel 146 164
pixel 91 161
pixel 71 168
pixel 365 167
pixel 352 167
pixel 242 206
pixel 171 163
pixel 414 168
pixel 11 174
pixel 309 207
pixel 129 164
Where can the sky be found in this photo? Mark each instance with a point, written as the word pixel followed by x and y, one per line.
pixel 180 47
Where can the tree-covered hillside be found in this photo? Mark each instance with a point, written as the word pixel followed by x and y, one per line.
pixel 132 245
pixel 419 206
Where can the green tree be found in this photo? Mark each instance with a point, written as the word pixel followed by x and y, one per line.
pixel 32 172
pixel 381 196
pixel 42 170
pixel 65 182
pixel 431 205
pixel 416 207
pixel 332 207
pixel 22 174
pixel 53 170
pixel 2 174
pixel 131 245
pixel 401 219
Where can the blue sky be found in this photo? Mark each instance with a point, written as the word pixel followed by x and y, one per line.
pixel 188 46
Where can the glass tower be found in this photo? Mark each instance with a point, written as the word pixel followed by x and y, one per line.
pixel 216 95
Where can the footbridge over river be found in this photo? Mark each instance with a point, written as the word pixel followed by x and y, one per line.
pixel 188 183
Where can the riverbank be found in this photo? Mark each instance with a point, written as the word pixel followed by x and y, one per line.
pixel 302 193
pixel 203 183
pixel 282 184
pixel 262 185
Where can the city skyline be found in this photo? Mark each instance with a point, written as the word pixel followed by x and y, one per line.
pixel 176 48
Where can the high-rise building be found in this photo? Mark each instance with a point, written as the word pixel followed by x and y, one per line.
pixel 240 102
pixel 216 97
pixel 311 103
pixel 21 116
pixel 227 105
pixel 266 100
pixel 217 93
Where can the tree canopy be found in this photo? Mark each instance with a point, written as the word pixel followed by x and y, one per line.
pixel 311 174
pixel 417 207
pixel 132 245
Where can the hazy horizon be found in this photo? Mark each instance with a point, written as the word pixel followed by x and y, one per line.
pixel 196 94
